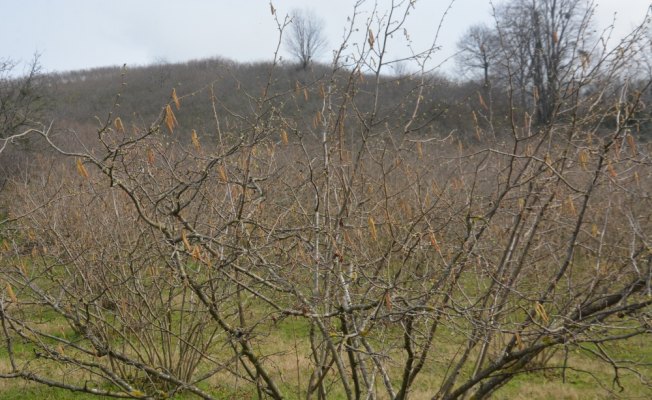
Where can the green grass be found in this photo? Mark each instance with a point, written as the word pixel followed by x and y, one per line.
pixel 534 385
pixel 29 391
pixel 32 391
pixel 587 377
pixel 284 344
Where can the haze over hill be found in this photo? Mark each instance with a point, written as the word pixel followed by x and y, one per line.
pixel 78 34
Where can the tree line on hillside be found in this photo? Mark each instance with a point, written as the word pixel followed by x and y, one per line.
pixel 534 59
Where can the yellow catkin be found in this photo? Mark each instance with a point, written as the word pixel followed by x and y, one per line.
pixel 23 268
pixel 571 206
pixel 529 150
pixel 541 312
pixel 388 301
pixel 196 253
pixel 185 241
pixel 150 157
pixel 284 136
pixel 478 131
pixel 419 150
pixel 222 171
pixel 170 119
pixel 632 144
pixel 611 169
pixel 347 238
pixel 371 40
pixel 372 229
pixel 482 103
pixel 175 99
pixel 616 152
pixel 435 188
pixel 118 125
pixel 195 140
pixel 11 294
pixel 584 159
pixel 81 169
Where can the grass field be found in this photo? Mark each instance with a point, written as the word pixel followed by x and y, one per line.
pixel 584 378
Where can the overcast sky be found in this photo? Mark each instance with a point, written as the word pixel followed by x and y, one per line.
pixel 78 34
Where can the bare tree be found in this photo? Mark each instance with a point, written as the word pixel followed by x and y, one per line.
pixel 306 39
pixel 539 41
pixel 478 49
pixel 22 105
pixel 21 96
pixel 22 100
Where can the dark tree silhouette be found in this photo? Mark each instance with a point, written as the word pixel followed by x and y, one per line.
pixel 21 97
pixel 478 49
pixel 306 39
pixel 540 40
